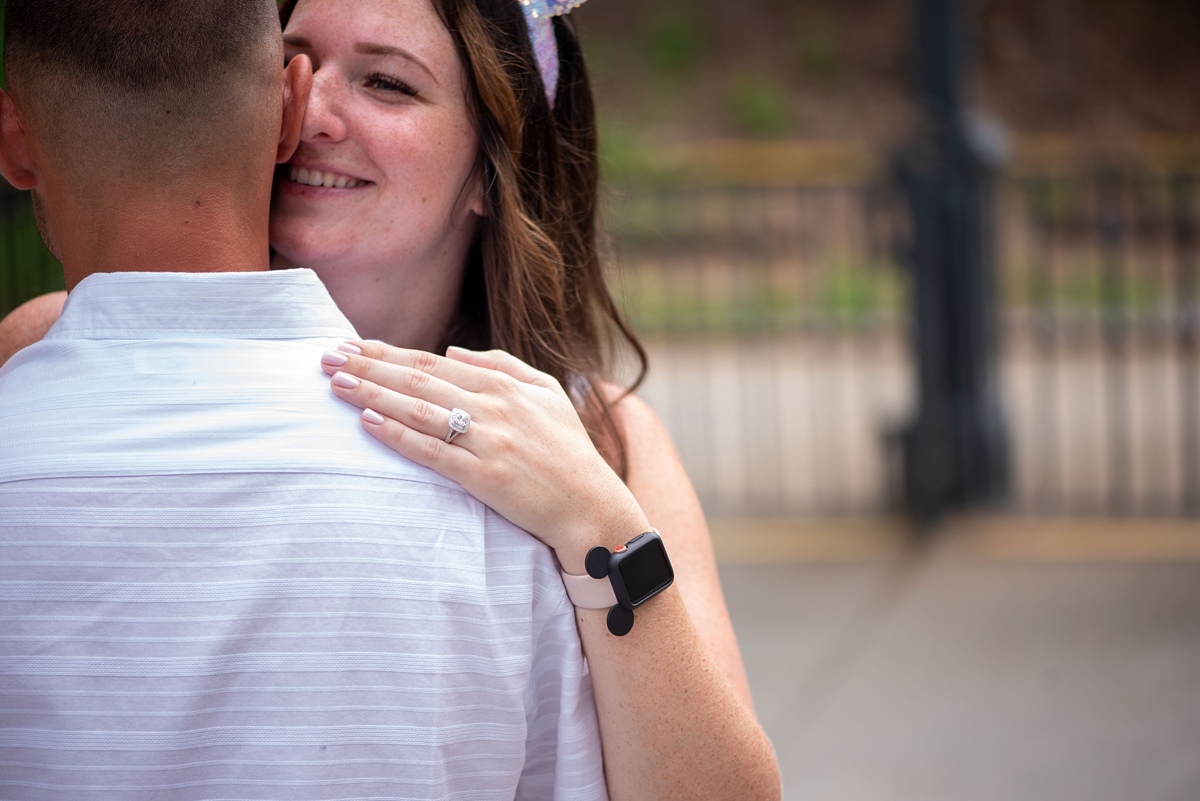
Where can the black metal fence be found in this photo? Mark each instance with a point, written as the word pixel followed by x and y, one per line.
pixel 778 326
pixel 1102 365
pixel 775 321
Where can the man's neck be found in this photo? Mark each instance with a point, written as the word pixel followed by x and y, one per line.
pixel 197 232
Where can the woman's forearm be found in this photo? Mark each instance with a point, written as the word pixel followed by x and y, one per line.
pixel 672 725
pixel 676 717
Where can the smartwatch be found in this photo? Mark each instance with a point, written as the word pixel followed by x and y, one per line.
pixel 623 579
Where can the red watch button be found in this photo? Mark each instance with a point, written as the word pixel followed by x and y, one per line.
pixel 619 548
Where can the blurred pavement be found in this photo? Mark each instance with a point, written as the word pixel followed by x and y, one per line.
pixel 1010 660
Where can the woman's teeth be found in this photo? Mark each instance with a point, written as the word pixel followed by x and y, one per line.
pixel 329 180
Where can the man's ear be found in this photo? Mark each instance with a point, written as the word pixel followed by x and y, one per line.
pixel 16 160
pixel 297 83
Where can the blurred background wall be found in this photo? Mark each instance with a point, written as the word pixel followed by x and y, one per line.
pixel 764 244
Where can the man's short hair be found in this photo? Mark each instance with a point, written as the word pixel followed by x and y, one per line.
pixel 153 78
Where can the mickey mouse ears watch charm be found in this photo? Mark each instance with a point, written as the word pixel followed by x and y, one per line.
pixel 622 580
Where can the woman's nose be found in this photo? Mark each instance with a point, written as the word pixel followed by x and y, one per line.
pixel 324 121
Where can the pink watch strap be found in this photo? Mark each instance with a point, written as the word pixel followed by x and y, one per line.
pixel 589 593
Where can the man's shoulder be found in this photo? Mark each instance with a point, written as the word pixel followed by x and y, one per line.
pixel 193 406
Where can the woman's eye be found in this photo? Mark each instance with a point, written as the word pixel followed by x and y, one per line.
pixel 388 84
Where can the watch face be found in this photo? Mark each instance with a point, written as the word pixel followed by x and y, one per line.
pixel 646 570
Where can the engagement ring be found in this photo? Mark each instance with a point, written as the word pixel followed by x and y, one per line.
pixel 460 421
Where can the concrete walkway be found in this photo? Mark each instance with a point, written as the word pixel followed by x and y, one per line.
pixel 971 673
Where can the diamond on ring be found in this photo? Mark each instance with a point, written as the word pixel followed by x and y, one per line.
pixel 460 421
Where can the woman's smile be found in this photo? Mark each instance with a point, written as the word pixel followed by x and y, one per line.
pixel 327 179
pixel 307 178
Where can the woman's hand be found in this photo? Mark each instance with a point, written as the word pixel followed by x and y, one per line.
pixel 526 453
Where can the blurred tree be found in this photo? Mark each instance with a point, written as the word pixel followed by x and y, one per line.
pixel 817 46
pixel 674 40
pixel 759 106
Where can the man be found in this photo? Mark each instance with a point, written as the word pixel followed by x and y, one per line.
pixel 213 583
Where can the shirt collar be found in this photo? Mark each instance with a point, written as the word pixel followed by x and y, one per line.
pixel 279 304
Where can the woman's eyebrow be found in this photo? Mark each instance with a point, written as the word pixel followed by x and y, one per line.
pixel 372 49
pixel 296 41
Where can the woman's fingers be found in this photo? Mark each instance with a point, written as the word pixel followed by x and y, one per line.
pixel 462 375
pixel 418 414
pixel 449 460
pixel 503 362
pixel 456 380
pixel 402 379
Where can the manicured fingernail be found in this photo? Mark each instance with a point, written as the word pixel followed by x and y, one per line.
pixel 373 417
pixel 348 347
pixel 345 380
pixel 334 359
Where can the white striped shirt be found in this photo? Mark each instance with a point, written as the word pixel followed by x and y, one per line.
pixel 215 585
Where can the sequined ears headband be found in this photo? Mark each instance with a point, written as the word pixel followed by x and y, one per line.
pixel 539 15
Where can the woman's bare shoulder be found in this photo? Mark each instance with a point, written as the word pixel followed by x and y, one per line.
pixel 29 322
pixel 648 444
pixel 649 448
pixel 630 409
pixel 654 468
pixel 662 488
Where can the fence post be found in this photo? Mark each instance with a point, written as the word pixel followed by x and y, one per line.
pixel 955 451
pixel 1186 238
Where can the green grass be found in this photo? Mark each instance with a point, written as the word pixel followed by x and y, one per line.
pixel 624 158
pixel 818 48
pixel 856 293
pixel 759 106
pixel 674 41
pixel 839 295
pixel 1086 289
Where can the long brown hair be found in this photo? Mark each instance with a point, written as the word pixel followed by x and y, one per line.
pixel 534 283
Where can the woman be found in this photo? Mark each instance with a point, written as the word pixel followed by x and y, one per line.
pixel 445 192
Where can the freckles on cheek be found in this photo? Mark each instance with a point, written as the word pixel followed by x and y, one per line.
pixel 387 231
